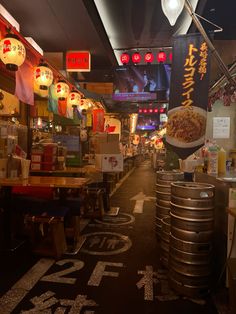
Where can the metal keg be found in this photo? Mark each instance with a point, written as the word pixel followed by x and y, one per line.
pixel 165 240
pixel 190 251
pixel 163 195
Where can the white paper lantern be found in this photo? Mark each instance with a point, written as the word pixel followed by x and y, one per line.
pixel 74 98
pixel 12 52
pixel 43 76
pixel 62 90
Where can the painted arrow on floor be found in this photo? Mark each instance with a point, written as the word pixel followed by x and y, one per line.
pixel 140 198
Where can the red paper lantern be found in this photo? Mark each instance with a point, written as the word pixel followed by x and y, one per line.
pixel 150 110
pixel 140 110
pixel 136 57
pixel 149 57
pixel 156 110
pixel 161 56
pixel 124 58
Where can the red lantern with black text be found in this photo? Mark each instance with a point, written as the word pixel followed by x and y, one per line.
pixel 136 57
pixel 149 57
pixel 161 56
pixel 124 58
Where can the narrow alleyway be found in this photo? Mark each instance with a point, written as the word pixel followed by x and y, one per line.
pixel 117 270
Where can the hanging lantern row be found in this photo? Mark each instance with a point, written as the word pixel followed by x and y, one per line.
pixel 13 54
pixel 152 110
pixel 149 57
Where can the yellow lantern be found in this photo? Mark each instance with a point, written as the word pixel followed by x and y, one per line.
pixel 12 52
pixel 62 90
pixel 74 98
pixel 43 76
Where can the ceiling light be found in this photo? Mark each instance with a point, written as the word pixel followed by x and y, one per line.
pixel 172 9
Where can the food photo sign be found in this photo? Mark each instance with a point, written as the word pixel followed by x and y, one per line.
pixel 187 112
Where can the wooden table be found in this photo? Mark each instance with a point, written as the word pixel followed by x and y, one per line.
pixel 62 183
pixel 68 171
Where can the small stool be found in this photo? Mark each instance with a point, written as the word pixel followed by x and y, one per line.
pixel 47 235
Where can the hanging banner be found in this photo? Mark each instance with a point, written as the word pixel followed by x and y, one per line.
pixel 24 83
pixel 98 120
pixel 52 100
pixel 188 95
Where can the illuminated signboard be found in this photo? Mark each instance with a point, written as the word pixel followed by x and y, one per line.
pixel 78 61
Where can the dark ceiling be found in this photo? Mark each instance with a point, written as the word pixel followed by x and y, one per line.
pixel 60 25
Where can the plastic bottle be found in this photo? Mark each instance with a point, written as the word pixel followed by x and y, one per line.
pixel 222 161
pixel 212 161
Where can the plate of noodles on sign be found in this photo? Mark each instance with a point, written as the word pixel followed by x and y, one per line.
pixel 186 126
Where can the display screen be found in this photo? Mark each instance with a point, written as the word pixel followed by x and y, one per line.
pixel 147 123
pixel 142 82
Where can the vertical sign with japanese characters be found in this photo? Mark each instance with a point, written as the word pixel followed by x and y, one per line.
pixel 98 120
pixel 188 94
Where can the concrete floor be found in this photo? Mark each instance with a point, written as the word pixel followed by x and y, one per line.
pixel 117 270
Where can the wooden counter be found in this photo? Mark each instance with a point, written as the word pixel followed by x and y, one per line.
pixel 224 217
pixel 45 181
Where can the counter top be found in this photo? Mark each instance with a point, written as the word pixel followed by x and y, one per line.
pixel 229 177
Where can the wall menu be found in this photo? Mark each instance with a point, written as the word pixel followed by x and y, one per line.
pixel 221 127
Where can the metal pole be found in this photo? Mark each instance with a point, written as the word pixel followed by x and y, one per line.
pixel 220 62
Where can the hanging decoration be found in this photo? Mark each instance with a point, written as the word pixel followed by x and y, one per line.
pixel 62 90
pixel 43 76
pixel 12 52
pixel 124 58
pixel 136 58
pixel 74 98
pixel 149 57
pixel 161 56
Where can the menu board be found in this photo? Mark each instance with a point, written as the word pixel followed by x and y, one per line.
pixel 221 127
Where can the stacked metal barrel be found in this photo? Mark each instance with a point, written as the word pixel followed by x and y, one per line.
pixel 162 219
pixel 190 251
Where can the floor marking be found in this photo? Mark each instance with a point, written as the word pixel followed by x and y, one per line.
pixel 21 288
pixel 138 208
pixel 140 198
pixel 106 243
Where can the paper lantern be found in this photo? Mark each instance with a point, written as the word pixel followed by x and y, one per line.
pixel 43 76
pixel 12 52
pixel 124 58
pixel 136 57
pixel 149 57
pixel 161 56
pixel 62 90
pixel 74 98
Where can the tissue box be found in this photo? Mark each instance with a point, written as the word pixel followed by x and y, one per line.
pixel 109 162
